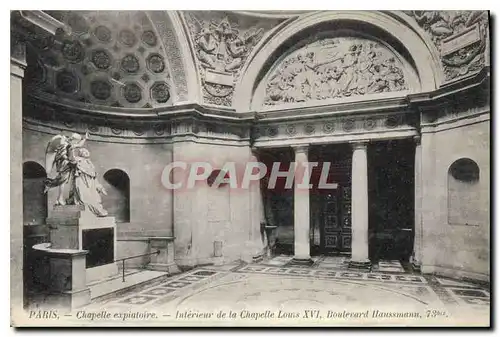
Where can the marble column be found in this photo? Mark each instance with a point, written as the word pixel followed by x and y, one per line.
pixel 302 252
pixel 17 67
pixel 256 216
pixel 359 205
pixel 416 258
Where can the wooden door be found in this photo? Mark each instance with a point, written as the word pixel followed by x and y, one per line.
pixel 346 214
pixel 336 221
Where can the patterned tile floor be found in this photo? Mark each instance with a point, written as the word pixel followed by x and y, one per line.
pixel 293 294
pixel 334 262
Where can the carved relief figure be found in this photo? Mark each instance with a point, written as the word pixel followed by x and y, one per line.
pixel 335 67
pixel 349 64
pixel 207 45
pixel 439 23
pixel 238 48
pixel 442 24
pixel 445 25
pixel 73 166
pixel 221 47
pixel 366 60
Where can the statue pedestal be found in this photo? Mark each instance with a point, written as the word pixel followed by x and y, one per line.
pixel 164 259
pixel 74 227
pixel 65 286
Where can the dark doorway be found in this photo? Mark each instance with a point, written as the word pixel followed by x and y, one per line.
pixel 279 200
pixel 34 198
pixel 331 207
pixel 391 199
pixel 34 229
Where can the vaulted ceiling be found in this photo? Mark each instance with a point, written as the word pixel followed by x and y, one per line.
pixel 148 60
pixel 110 59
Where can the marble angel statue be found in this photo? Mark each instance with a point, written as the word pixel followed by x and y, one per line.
pixel 67 162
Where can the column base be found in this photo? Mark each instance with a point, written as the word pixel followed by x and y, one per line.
pixel 170 268
pixel 218 261
pixel 365 265
pixel 416 266
pixel 257 258
pixel 302 261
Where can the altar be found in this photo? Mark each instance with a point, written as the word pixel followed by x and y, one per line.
pixel 74 227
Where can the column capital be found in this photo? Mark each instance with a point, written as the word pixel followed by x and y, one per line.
pixel 18 58
pixel 300 148
pixel 359 144
pixel 417 139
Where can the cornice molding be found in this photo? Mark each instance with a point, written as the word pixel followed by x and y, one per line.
pixel 285 14
pixel 337 138
pixel 202 130
pixel 336 126
pixel 346 108
pixel 415 102
pixel 187 137
pixel 180 123
pixel 138 115
pixel 45 22
pixel 472 82
pixel 450 124
pixel 449 117
pixel 347 119
pixel 18 59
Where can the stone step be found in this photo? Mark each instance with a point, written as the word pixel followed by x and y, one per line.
pixel 134 281
pixel 390 266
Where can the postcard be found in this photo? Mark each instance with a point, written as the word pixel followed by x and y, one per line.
pixel 250 168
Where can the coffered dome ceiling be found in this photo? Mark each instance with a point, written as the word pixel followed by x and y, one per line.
pixel 110 59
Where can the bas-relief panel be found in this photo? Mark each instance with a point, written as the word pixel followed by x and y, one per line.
pixel 459 36
pixel 335 68
pixel 222 42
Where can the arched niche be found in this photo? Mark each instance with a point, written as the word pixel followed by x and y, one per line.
pixel 117 201
pixel 34 196
pixel 464 192
pixel 416 56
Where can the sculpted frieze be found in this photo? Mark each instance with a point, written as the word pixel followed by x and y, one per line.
pixel 459 36
pixel 341 125
pixel 334 68
pixel 38 116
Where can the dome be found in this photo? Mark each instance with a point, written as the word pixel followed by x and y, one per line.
pixel 110 59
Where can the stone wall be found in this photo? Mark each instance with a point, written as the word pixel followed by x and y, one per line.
pixel 205 215
pixel 150 202
pixel 455 249
pixel 202 216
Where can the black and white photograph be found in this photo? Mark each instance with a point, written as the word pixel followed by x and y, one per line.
pixel 250 168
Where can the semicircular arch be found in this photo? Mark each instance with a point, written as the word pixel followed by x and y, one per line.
pixel 394 28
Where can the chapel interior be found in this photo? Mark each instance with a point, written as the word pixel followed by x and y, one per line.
pixel 397 102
